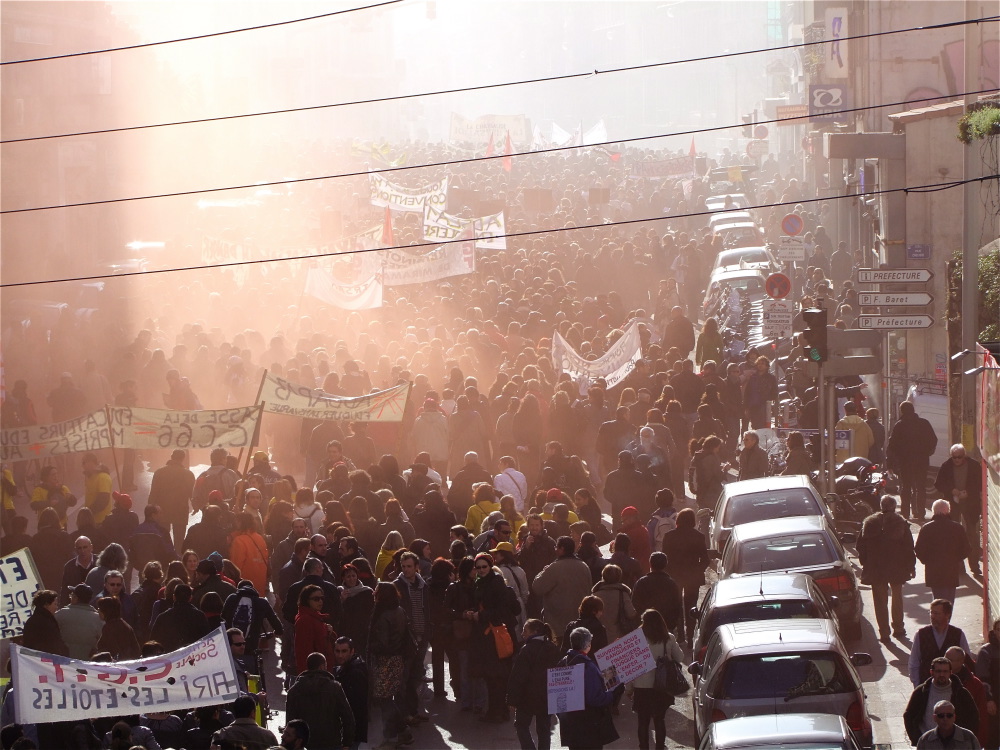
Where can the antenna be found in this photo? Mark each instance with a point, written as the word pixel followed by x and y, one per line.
pixel 760 584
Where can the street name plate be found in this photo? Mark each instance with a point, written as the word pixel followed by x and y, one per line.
pixel 899 298
pixel 895 321
pixel 893 275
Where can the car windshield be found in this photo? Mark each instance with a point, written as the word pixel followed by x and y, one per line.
pixel 763 506
pixel 787 676
pixel 785 553
pixel 750 283
pixel 735 257
pixel 779 609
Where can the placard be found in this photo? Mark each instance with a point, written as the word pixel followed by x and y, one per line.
pixel 19 580
pixel 281 396
pixel 53 688
pixel 565 689
pixel 614 366
pixel 625 659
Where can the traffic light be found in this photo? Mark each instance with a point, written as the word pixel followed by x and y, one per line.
pixel 748 126
pixel 814 336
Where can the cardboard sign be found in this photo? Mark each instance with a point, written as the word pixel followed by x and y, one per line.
pixel 565 689
pixel 625 659
pixel 19 581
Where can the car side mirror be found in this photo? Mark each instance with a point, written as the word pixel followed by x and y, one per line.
pixel 861 659
pixel 694 669
pixel 849 537
pixel 832 497
pixel 693 612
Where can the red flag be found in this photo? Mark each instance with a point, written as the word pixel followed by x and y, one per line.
pixel 507 150
pixel 387 240
pixel 692 151
pixel 490 148
pixel 615 156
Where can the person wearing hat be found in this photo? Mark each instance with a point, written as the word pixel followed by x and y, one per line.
pixel 261 475
pixel 171 489
pixel 206 578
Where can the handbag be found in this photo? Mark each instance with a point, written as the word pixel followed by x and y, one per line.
pixel 669 677
pixel 501 640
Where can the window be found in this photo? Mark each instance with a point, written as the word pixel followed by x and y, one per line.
pixel 785 553
pixel 786 676
pixel 763 506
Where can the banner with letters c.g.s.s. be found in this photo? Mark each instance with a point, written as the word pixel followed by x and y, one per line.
pixel 281 396
pixel 52 688
pixel 78 435
pixel 135 427
pixel 399 198
pixel 614 366
pixel 20 581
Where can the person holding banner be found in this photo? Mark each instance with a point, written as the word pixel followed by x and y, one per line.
pixel 52 493
pixel 648 703
pixel 593 727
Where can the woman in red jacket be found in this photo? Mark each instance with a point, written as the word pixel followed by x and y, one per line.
pixel 312 632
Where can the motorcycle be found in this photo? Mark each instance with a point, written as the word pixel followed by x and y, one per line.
pixel 858 486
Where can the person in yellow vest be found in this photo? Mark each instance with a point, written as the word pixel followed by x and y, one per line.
pixel 862 437
pixel 97 483
pixel 485 503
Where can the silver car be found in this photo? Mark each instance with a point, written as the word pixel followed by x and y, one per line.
pixel 799 731
pixel 761 500
pixel 779 667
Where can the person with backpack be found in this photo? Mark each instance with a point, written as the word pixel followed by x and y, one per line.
pixel 215 477
pixel 247 610
pixel 648 702
pixel 663 519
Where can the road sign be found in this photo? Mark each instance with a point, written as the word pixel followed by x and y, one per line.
pixel 760 132
pixel 790 249
pixel 898 298
pixel 918 252
pixel 792 225
pixel 895 321
pixel 778 286
pixel 891 275
pixel 756 149
pixel 777 315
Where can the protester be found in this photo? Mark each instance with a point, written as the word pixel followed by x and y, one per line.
pixel 527 685
pixel 593 727
pixel 647 702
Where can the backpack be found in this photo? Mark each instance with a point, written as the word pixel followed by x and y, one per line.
pixel 663 525
pixel 693 474
pixel 243 616
pixel 207 482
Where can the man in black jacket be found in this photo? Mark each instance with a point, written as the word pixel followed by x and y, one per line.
pixel 352 674
pixel 885 549
pixel 908 453
pixel 960 482
pixel 657 590
pixel 182 624
pixel 941 685
pixel 247 610
pixel 319 700
pixel 171 489
pixel 527 685
pixel 942 547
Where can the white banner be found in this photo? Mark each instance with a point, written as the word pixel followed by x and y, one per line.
pixel 283 397
pixel 489 231
pixel 20 581
pixel 399 198
pixel 597 134
pixel 625 659
pixel 401 267
pixel 78 435
pixel 363 295
pixel 614 366
pixel 56 688
pixel 141 428
pixel 565 689
pixel 478 131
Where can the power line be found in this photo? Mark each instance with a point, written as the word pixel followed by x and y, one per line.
pixel 199 36
pixel 484 87
pixel 636 139
pixel 918 189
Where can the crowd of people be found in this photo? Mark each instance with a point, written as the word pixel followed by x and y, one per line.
pixel 511 522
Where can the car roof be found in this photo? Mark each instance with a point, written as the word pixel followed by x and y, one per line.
pixel 773 586
pixel 763 484
pixel 774 527
pixel 775 636
pixel 749 250
pixel 779 729
pixel 725 273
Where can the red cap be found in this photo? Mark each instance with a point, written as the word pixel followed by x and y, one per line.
pixel 554 494
pixel 215 496
pixel 122 500
pixel 630 510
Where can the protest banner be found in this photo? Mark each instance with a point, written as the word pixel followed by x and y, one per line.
pixel 625 659
pixel 614 366
pixel 141 428
pixel 20 580
pixel 401 267
pixel 479 130
pixel 399 198
pixel 489 231
pixel 565 689
pixel 362 295
pixel 78 435
pixel 56 688
pixel 280 396
pixel 676 166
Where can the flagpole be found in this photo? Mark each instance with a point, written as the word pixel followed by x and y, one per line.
pixel 256 432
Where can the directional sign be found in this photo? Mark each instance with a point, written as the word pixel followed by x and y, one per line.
pixel 776 316
pixel 790 249
pixel 895 321
pixel 777 286
pixel 890 275
pixel 899 298
pixel 792 225
pixel 756 149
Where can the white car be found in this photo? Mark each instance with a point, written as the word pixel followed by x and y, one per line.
pixel 750 279
pixel 726 202
pixel 746 257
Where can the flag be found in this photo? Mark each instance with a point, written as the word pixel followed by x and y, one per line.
pixel 490 148
pixel 613 155
pixel 387 240
pixel 693 151
pixel 507 150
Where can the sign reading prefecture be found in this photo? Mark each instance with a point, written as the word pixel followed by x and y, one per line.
pixel 56 688
pixel 20 581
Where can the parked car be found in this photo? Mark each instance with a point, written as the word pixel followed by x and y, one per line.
pixel 726 202
pixel 777 667
pixel 773 596
pixel 750 279
pixel 738 233
pixel 746 257
pixel 763 499
pixel 800 544
pixel 800 731
pixel 728 217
